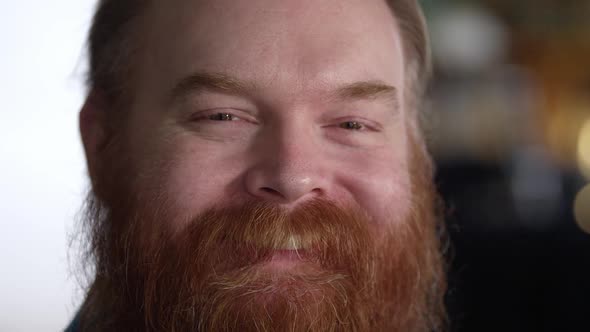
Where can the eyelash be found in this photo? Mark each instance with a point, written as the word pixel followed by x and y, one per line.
pixel 353 125
pixel 223 115
pixel 211 117
pixel 350 125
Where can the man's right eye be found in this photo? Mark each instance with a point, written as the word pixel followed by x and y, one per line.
pixel 222 117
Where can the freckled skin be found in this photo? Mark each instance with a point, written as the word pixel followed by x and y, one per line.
pixel 286 142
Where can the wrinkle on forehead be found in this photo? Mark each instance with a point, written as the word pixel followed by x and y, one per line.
pixel 299 44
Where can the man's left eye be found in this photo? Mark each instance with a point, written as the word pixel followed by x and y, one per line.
pixel 222 117
pixel 352 125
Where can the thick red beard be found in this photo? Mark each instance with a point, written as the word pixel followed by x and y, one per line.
pixel 215 275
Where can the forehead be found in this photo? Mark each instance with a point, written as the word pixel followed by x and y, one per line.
pixel 302 44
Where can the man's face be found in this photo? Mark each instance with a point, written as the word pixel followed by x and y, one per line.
pixel 310 109
pixel 284 107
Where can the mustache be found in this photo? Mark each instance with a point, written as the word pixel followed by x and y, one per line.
pixel 243 235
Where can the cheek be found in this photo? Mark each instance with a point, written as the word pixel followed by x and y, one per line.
pixel 381 184
pixel 386 194
pixel 191 177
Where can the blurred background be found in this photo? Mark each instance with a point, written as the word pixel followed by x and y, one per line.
pixel 42 170
pixel 510 105
pixel 510 130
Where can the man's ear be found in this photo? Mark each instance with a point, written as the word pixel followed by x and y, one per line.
pixel 93 129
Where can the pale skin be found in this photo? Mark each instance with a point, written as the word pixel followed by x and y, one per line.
pixel 281 101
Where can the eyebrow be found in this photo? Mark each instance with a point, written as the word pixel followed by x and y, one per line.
pixel 369 90
pixel 200 81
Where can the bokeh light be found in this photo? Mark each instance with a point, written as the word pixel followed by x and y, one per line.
pixel 584 149
pixel 582 209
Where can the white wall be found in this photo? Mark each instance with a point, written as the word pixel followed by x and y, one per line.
pixel 42 171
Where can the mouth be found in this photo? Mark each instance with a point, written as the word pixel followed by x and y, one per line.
pixel 289 254
pixel 284 243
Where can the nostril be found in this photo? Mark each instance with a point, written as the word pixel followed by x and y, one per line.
pixel 317 191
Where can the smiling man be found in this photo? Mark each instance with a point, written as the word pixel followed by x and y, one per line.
pixel 258 165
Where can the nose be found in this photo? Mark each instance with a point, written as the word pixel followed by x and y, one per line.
pixel 287 169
